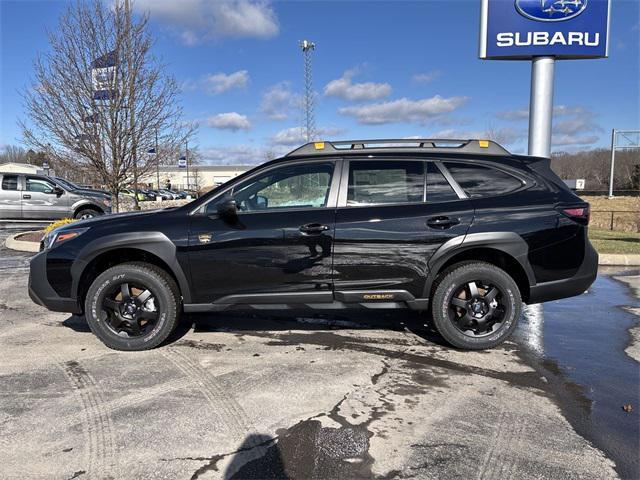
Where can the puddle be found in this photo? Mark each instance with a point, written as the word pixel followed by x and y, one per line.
pixel 578 345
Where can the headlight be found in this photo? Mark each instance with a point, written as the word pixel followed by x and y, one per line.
pixel 55 237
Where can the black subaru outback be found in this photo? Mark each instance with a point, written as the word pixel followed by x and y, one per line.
pixel 461 229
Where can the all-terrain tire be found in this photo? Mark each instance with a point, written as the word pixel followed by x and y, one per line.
pixel 164 290
pixel 455 278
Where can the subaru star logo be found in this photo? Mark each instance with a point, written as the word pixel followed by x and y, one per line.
pixel 550 10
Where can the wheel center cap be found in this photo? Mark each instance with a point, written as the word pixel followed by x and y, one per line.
pixel 477 307
pixel 129 308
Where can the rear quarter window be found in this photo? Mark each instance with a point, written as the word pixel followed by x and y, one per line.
pixel 481 181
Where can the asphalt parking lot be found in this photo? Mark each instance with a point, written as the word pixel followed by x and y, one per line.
pixel 275 395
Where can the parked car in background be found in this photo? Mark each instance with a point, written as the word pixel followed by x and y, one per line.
pixel 461 229
pixel 163 196
pixel 128 192
pixel 150 194
pixel 171 194
pixel 24 196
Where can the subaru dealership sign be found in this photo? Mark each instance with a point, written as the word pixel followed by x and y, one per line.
pixel 523 29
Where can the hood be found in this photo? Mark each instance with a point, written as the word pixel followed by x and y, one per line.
pixel 89 192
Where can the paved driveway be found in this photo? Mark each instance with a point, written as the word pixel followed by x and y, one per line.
pixel 274 396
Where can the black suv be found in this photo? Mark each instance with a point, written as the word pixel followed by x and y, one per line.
pixel 461 229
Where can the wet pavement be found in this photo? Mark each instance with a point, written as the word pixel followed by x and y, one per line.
pixel 368 395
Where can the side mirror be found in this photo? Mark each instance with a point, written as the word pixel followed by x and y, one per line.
pixel 57 190
pixel 262 202
pixel 228 208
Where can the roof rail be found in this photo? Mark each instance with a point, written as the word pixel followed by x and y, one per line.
pixel 482 147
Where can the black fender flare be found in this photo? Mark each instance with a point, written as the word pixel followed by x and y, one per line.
pixel 155 243
pixel 509 243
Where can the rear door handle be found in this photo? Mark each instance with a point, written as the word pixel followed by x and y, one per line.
pixel 314 228
pixel 442 222
pixel 26 197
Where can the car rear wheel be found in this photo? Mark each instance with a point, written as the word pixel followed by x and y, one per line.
pixel 476 305
pixel 133 306
pixel 87 213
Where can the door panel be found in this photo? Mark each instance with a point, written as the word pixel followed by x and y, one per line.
pixel 260 253
pixel 388 247
pixel 392 216
pixel 10 197
pixel 40 201
pixel 279 241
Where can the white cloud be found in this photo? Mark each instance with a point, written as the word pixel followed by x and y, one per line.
pixel 233 155
pixel 345 89
pixel 297 135
pixel 222 82
pixel 404 110
pixel 426 77
pixel 279 101
pixel 520 114
pixel 229 121
pixel 564 140
pixel 196 21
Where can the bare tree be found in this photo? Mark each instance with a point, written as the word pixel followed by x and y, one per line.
pixel 13 154
pixel 100 97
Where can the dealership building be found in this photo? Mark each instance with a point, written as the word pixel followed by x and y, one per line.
pixel 197 177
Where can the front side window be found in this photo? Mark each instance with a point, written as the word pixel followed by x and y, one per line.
pixel 480 181
pixel 10 182
pixel 438 188
pixel 39 185
pixel 294 186
pixel 382 182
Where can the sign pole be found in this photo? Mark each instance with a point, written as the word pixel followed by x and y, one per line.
pixel 613 161
pixel 541 106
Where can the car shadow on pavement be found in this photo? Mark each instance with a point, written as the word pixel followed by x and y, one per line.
pixel 265 321
pixel 274 321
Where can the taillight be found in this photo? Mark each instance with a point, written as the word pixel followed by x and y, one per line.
pixel 579 214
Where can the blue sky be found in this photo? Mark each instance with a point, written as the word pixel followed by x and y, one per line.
pixel 381 69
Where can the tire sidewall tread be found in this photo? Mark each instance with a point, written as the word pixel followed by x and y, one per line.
pixel 165 288
pixel 452 279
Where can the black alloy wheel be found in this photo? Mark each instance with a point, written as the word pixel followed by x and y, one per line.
pixel 475 305
pixel 133 306
pixel 476 308
pixel 131 309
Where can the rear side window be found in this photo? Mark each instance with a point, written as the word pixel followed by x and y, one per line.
pixel 438 188
pixel 379 182
pixel 9 182
pixel 481 181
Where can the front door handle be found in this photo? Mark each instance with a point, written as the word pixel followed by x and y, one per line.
pixel 313 228
pixel 26 197
pixel 442 222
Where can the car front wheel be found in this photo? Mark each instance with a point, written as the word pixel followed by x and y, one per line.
pixel 87 213
pixel 133 306
pixel 476 305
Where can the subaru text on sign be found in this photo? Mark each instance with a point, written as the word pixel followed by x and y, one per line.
pixel 522 29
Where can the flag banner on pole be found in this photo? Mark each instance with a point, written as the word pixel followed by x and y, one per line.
pixel 182 162
pixel 103 76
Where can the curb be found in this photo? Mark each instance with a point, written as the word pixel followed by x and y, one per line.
pixel 21 245
pixel 632 260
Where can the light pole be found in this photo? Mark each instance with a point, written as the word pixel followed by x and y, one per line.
pixel 308 47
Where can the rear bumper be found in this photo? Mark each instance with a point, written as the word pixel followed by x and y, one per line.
pixel 41 291
pixel 568 287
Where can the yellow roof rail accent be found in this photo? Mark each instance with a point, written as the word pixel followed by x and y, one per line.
pixel 319 145
pixel 484 143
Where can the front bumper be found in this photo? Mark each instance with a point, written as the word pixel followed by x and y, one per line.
pixel 41 291
pixel 568 287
